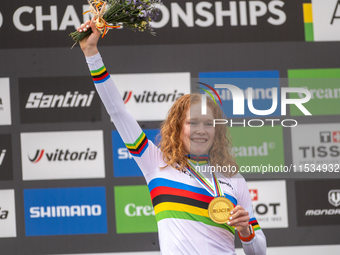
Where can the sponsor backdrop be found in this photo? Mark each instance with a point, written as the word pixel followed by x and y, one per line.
pixel 69 186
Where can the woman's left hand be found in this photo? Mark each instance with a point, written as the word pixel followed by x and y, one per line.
pixel 240 220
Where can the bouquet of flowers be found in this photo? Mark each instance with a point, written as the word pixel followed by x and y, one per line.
pixel 133 14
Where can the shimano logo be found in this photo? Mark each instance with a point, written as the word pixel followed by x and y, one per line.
pixel 40 100
pixel 65 211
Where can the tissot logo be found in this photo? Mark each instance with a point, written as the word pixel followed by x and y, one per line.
pixel 334 197
pixel 59 99
pixel 151 97
pixel 317 144
pixel 328 137
pixel 3 214
pixel 70 99
pixel 253 194
pixel 269 203
pixel 63 155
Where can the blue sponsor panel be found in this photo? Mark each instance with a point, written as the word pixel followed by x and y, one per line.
pixel 261 82
pixel 123 163
pixel 65 211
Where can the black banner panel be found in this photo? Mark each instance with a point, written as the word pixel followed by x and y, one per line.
pixel 317 202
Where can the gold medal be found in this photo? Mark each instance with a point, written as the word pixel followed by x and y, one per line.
pixel 219 209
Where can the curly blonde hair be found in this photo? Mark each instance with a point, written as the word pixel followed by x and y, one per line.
pixel 171 141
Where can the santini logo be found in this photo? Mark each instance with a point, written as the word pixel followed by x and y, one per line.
pixel 2 156
pixel 65 211
pixel 3 214
pixel 61 155
pixel 39 100
pixel 151 97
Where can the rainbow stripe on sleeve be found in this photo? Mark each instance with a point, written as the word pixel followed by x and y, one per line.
pixel 139 146
pixel 254 223
pixel 100 75
pixel 177 200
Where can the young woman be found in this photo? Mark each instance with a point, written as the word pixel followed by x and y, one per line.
pixel 180 195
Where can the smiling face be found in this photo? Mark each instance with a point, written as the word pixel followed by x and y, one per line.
pixel 198 132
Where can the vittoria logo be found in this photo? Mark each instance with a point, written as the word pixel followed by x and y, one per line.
pixel 40 100
pixel 143 93
pixel 152 97
pixel 334 197
pixel 63 155
pixel 3 214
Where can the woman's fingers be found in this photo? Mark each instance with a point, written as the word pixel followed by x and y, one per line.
pixel 84 27
pixel 239 217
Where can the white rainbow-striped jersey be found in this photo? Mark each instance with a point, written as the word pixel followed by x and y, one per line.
pixel 180 202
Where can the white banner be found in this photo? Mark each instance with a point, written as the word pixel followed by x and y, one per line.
pixel 326 20
pixel 7 214
pixel 316 146
pixel 5 102
pixel 149 96
pixel 62 155
pixel 269 200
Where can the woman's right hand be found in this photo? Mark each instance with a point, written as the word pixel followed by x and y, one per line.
pixel 89 43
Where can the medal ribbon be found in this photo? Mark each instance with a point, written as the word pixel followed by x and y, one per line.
pixel 214 189
pixel 98 9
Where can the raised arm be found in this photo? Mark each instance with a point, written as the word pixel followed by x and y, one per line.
pixel 145 152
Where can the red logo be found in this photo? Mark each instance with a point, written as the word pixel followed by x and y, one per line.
pixel 336 136
pixel 253 194
pixel 127 96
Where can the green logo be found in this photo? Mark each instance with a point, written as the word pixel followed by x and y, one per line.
pixel 324 86
pixel 134 211
pixel 256 148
